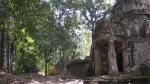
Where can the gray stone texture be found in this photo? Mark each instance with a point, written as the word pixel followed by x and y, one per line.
pixel 129 24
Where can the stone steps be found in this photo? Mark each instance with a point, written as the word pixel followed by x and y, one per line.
pixel 120 79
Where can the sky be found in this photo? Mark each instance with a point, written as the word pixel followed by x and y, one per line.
pixel 108 1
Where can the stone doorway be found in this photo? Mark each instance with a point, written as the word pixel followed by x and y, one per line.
pixel 119 55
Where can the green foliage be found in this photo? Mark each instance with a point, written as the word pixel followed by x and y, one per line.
pixel 4 14
pixel 26 52
pixel 48 32
pixel 35 29
pixel 22 36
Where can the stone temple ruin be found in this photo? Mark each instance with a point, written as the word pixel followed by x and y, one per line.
pixel 122 43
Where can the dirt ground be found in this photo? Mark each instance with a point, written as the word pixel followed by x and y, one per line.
pixel 6 78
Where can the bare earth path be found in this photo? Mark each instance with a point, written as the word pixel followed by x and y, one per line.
pixel 6 78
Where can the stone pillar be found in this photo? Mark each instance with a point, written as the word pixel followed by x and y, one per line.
pixel 113 69
pixel 98 61
pixel 126 56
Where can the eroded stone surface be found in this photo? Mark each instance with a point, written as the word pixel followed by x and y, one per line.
pixel 129 51
pixel 130 26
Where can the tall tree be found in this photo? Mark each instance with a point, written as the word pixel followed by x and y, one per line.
pixel 91 12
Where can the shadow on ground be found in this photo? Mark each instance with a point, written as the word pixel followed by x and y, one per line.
pixel 6 78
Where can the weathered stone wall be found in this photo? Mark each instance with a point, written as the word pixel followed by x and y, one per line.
pixel 130 26
pixel 129 7
pixel 78 67
pixel 122 41
pixel 142 55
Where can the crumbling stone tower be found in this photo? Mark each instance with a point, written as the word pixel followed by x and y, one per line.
pixel 122 41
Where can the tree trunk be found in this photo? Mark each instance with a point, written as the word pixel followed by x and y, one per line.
pixel 1 57
pixel 45 57
pixel 5 50
pixel 98 62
